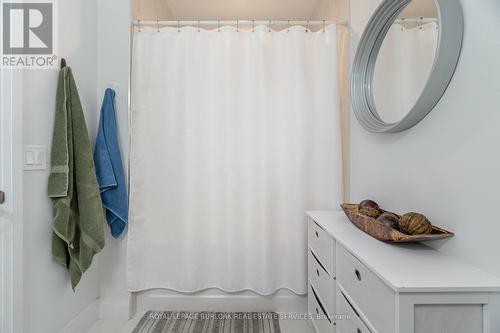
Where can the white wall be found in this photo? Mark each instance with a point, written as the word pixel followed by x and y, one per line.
pixel 113 22
pixel 448 166
pixel 150 10
pixel 331 10
pixel 49 302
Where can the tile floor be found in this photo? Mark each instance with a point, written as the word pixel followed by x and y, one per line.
pixel 119 326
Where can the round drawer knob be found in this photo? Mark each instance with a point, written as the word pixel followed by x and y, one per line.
pixel 317 272
pixel 317 234
pixel 317 311
pixel 358 275
pixel 359 331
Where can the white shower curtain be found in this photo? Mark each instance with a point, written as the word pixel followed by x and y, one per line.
pixel 403 67
pixel 233 136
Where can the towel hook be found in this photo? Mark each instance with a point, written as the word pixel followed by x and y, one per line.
pixel 63 63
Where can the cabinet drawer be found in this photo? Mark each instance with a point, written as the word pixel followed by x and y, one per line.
pixel 322 245
pixel 319 318
pixel 323 283
pixel 351 323
pixel 370 295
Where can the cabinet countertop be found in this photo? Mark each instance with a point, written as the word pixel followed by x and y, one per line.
pixel 406 268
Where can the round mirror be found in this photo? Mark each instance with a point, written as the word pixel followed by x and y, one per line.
pixel 405 61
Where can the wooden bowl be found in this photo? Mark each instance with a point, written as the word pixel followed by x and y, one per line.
pixel 384 233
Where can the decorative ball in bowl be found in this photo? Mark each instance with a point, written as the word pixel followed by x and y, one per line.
pixel 391 227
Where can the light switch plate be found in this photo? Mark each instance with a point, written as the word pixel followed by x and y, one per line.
pixel 35 157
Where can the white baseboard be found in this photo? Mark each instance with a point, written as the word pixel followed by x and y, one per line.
pixel 84 320
pixel 220 302
pixel 121 308
pixel 115 308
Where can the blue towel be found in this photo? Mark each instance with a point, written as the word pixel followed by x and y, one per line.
pixel 109 168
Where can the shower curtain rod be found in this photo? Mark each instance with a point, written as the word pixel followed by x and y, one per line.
pixel 234 22
pixel 417 20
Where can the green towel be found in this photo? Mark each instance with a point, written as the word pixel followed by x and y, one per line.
pixel 78 232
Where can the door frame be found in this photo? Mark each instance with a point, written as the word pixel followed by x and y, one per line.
pixel 11 218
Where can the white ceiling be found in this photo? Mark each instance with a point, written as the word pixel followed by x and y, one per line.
pixel 232 9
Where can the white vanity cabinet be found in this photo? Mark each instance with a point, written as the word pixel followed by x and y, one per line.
pixel 322 276
pixel 360 285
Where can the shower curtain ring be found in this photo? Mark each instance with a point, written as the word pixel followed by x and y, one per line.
pixel 253 25
pixel 307 26
pixel 157 25
pixel 270 22
pixel 421 22
pixel 324 26
pixel 199 25
pixel 218 25
pixel 237 25
pixel 139 25
pixel 288 29
pixel 178 26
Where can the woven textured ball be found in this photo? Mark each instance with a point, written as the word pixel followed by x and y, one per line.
pixel 370 211
pixel 390 220
pixel 415 224
pixel 368 203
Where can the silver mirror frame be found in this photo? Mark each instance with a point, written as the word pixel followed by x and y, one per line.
pixel 451 30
